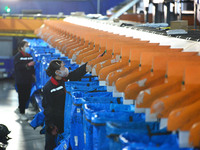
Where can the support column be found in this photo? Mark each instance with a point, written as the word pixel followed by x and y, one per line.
pixel 146 11
pixel 180 11
pixel 146 15
pixel 155 13
pixel 167 12
pixel 98 6
pixel 195 15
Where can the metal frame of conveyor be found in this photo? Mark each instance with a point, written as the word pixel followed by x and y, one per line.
pixel 124 9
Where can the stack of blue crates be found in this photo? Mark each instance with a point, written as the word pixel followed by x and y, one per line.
pixel 94 119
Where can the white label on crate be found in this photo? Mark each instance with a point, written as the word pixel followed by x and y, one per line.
pixel 78 110
pixel 84 138
pixel 76 140
pixel 184 139
pixel 65 146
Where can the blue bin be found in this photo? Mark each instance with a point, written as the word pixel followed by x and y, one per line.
pixel 89 109
pixel 50 50
pixel 84 93
pixel 92 93
pixel 134 146
pixel 156 142
pixel 80 83
pixel 64 144
pixel 70 86
pixel 114 129
pixel 99 119
pixel 86 89
pixel 55 56
pixel 40 66
pixel 38 120
pixel 150 141
pixel 35 43
pixel 77 135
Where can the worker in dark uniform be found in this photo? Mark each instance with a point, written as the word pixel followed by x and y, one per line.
pixel 54 94
pixel 24 76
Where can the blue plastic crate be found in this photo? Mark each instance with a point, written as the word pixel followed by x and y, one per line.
pixel 89 109
pixel 77 134
pixel 85 93
pixel 99 120
pixel 114 129
pixel 149 141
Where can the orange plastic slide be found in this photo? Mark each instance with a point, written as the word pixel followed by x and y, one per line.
pixel 190 93
pixel 156 76
pixel 173 84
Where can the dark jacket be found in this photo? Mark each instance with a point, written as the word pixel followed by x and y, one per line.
pixel 23 73
pixel 54 94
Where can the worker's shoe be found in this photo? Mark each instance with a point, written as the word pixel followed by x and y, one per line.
pixel 17 111
pixel 23 117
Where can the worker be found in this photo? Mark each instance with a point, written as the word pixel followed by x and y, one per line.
pixel 54 94
pixel 24 76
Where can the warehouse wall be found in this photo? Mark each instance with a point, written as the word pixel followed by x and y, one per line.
pixel 56 6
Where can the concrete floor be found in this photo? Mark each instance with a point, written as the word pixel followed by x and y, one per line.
pixel 24 137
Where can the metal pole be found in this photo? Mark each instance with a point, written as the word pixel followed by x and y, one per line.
pixel 195 15
pixel 165 12
pixel 98 6
pixel 155 15
pixel 134 9
pixel 146 14
pixel 153 12
pixel 168 12
pixel 124 9
pixel 180 10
